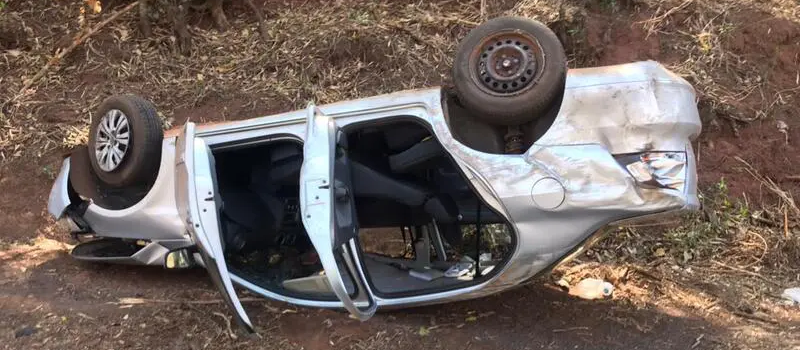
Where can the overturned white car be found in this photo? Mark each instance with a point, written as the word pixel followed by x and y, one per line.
pixel 478 190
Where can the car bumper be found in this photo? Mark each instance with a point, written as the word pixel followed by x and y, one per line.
pixel 59 199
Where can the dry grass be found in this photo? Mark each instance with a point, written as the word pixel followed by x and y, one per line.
pixel 699 33
pixel 733 85
pixel 726 259
pixel 327 53
pixel 322 53
pixel 331 51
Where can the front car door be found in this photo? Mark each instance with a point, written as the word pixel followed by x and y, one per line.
pixel 328 211
pixel 199 204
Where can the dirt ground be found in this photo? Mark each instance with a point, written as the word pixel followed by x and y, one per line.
pixel 704 282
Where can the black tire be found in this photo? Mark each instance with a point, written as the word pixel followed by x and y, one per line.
pixel 536 84
pixel 142 157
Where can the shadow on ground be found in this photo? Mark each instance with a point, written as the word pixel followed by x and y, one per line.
pixel 74 305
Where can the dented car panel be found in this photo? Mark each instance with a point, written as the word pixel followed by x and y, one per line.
pixel 606 111
pixel 626 108
pixel 156 213
pixel 619 148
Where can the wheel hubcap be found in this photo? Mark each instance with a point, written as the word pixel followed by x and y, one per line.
pixel 113 136
pixel 506 63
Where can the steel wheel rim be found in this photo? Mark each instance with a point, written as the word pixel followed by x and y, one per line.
pixel 112 140
pixel 506 63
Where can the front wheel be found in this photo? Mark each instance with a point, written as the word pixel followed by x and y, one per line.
pixel 509 70
pixel 125 141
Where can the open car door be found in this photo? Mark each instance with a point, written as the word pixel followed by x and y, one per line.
pixel 328 210
pixel 199 203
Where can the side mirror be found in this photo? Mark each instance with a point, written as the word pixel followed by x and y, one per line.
pixel 179 259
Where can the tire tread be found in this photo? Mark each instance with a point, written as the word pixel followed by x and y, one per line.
pixel 142 163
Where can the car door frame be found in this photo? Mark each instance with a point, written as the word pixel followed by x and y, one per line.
pixel 324 198
pixel 422 105
pixel 195 178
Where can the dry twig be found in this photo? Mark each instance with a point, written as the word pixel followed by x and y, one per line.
pixel 755 317
pixel 231 333
pixel 141 301
pixel 749 273
pixel 786 233
pixel 562 330
pixel 652 23
pixel 77 41
pixel 786 197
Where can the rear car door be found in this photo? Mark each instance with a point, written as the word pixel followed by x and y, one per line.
pixel 328 211
pixel 199 204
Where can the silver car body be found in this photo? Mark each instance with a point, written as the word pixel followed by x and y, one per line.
pixel 557 195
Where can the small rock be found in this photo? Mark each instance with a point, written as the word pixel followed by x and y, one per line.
pixel 748 309
pixel 792 295
pixel 563 284
pixel 25 331
pixel 782 126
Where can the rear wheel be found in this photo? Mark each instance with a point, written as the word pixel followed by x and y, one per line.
pixel 509 70
pixel 125 141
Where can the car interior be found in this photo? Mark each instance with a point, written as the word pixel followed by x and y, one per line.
pixel 421 227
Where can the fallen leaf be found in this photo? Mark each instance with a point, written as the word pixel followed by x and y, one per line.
pixel 95 5
pixel 123 34
pixel 423 331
